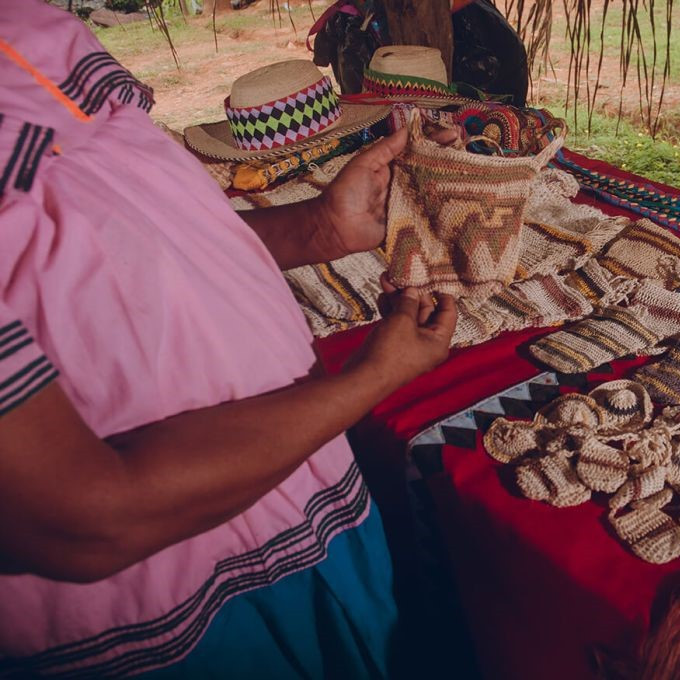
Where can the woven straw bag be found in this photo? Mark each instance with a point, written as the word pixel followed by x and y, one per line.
pixel 454 218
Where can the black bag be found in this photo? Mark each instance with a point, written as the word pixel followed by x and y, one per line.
pixel 347 42
pixel 487 52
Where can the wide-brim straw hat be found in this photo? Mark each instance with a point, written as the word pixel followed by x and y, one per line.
pixel 409 74
pixel 277 110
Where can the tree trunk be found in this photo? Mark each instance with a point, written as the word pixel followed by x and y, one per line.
pixel 422 22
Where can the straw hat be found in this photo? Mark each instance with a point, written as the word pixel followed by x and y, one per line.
pixel 410 74
pixel 626 404
pixel 278 109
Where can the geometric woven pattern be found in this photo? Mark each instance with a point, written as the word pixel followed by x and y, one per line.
pixel 639 197
pixel 391 85
pixel 463 429
pixel 464 237
pixel 287 120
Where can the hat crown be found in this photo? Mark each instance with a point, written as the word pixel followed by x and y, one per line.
pixel 272 82
pixel 410 60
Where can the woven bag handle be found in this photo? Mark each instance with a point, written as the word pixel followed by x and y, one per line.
pixel 487 140
pixel 544 155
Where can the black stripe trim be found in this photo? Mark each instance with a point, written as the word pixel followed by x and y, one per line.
pixel 9 327
pixel 138 659
pixel 14 157
pixel 74 84
pixel 15 348
pixel 27 155
pixel 26 383
pixel 30 393
pixel 19 374
pixel 626 326
pixel 101 90
pixel 84 89
pixel 13 337
pixel 107 640
pixel 28 177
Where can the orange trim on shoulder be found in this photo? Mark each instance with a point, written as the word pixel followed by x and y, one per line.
pixel 44 81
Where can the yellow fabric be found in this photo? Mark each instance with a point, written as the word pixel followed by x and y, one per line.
pixel 254 176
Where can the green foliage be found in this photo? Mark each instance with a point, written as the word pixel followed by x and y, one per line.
pixel 632 149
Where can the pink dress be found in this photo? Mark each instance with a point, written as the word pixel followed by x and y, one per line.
pixel 124 269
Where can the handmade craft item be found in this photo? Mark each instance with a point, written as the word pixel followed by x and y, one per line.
pixel 644 250
pixel 454 218
pixel 606 441
pixel 408 73
pixel 601 467
pixel 626 404
pixel 518 132
pixel 278 109
pixel 558 234
pixel 652 315
pixel 552 480
pixel 652 534
pixel 662 378
pixel 634 194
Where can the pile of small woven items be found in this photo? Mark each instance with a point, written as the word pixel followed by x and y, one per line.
pixel 607 441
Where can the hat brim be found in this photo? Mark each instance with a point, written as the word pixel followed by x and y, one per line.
pixel 638 418
pixel 215 140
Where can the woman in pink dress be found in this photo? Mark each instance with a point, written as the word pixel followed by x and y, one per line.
pixel 177 495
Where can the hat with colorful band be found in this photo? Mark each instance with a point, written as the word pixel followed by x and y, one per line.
pixel 408 73
pixel 285 121
pixel 278 109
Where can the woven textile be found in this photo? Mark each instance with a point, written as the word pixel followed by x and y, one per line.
pixel 518 132
pixel 344 294
pixel 560 235
pixel 639 197
pixel 645 250
pixel 537 302
pixel 284 121
pixel 341 294
pixel 652 534
pixel 616 331
pixel 662 378
pixel 454 218
pixel 606 441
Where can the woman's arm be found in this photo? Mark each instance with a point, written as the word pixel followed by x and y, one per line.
pixel 348 217
pixel 77 508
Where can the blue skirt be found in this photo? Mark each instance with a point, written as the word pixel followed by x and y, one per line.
pixel 337 619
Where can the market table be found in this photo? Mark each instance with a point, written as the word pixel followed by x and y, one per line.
pixel 539 586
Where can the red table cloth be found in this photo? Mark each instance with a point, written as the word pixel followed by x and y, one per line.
pixel 539 585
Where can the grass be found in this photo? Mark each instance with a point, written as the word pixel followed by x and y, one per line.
pixel 625 143
pixel 613 31
pixel 136 38
pixel 630 149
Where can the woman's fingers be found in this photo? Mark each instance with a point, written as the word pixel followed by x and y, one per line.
pixel 444 318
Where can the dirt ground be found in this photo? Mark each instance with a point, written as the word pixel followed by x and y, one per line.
pixel 249 38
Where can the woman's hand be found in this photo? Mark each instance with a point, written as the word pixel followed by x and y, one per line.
pixel 353 207
pixel 413 338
